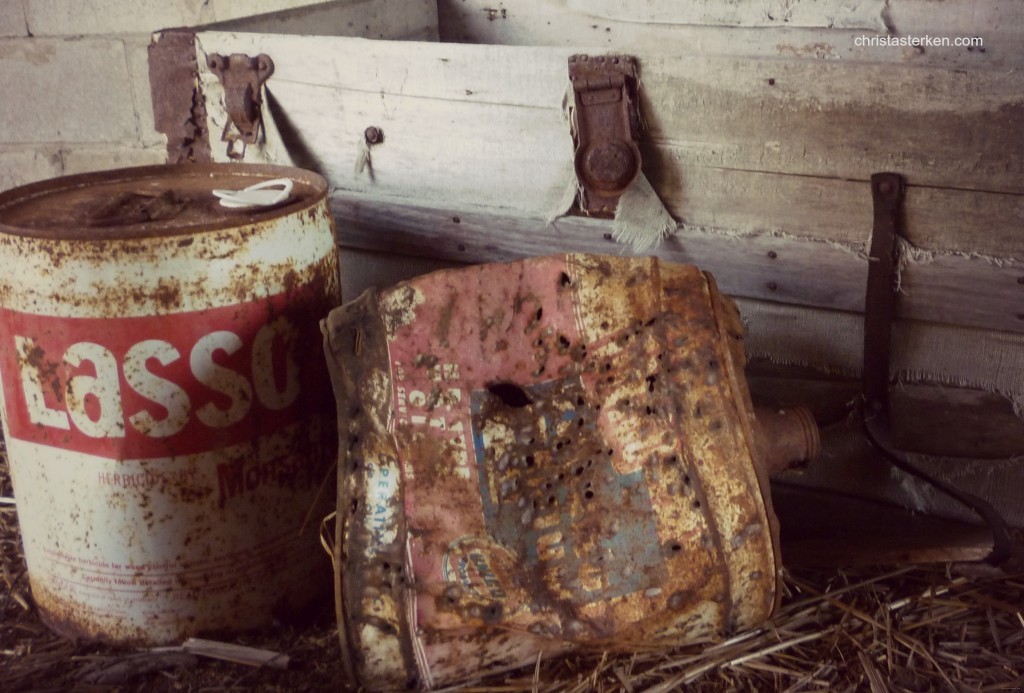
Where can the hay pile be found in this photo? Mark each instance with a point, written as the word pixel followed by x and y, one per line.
pixel 905 629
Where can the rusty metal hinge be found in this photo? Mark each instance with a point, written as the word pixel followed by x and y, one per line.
pixel 604 129
pixel 243 78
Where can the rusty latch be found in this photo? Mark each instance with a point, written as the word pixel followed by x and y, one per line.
pixel 243 78
pixel 605 129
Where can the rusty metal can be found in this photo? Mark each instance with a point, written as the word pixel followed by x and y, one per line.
pixel 164 399
pixel 541 456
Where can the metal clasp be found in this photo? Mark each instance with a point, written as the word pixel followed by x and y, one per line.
pixel 242 78
pixel 604 129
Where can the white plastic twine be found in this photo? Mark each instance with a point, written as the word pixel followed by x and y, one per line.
pixel 265 194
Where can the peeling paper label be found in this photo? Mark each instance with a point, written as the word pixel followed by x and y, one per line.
pixel 381 488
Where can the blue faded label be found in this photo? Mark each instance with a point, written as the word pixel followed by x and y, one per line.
pixel 552 495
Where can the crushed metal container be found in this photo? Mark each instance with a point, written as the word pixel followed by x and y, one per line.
pixel 541 456
pixel 164 396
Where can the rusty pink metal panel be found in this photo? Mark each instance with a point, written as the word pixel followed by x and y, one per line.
pixel 165 407
pixel 539 456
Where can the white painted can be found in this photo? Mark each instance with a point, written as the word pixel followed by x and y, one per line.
pixel 165 402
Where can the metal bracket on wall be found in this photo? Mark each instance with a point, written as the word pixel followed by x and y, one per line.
pixel 887 193
pixel 242 78
pixel 604 129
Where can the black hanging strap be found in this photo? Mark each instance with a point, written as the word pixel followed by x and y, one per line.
pixel 887 191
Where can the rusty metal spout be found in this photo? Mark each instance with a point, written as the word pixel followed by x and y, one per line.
pixel 786 438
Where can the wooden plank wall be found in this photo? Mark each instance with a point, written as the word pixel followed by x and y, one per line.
pixel 760 140
pixel 478 130
pixel 765 121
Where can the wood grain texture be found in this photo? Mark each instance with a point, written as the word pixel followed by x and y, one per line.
pixel 844 120
pixel 479 126
pixel 578 23
pixel 821 14
pixel 951 289
pixel 409 20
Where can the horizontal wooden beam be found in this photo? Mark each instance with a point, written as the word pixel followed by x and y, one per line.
pixel 583 23
pixel 950 289
pixel 738 144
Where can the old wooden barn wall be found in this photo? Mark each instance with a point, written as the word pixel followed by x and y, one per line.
pixel 765 121
pixel 764 125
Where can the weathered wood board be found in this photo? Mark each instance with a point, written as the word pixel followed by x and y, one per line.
pixel 948 289
pixel 487 119
pixel 759 141
pixel 407 20
pixel 783 165
pixel 831 30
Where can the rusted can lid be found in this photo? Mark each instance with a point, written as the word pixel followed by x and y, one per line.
pixel 149 201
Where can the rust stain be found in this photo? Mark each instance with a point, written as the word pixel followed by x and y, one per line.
pixel 166 490
pixel 580 477
pixel 179 109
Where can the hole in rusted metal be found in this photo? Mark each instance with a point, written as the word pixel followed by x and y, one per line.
pixel 564 280
pixel 588 495
pixel 651 379
pixel 492 612
pixel 530 461
pixel 696 505
pixel 677 547
pixel 539 314
pixel 510 394
pixel 563 341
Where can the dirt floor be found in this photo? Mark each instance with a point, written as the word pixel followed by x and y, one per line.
pixel 885 629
